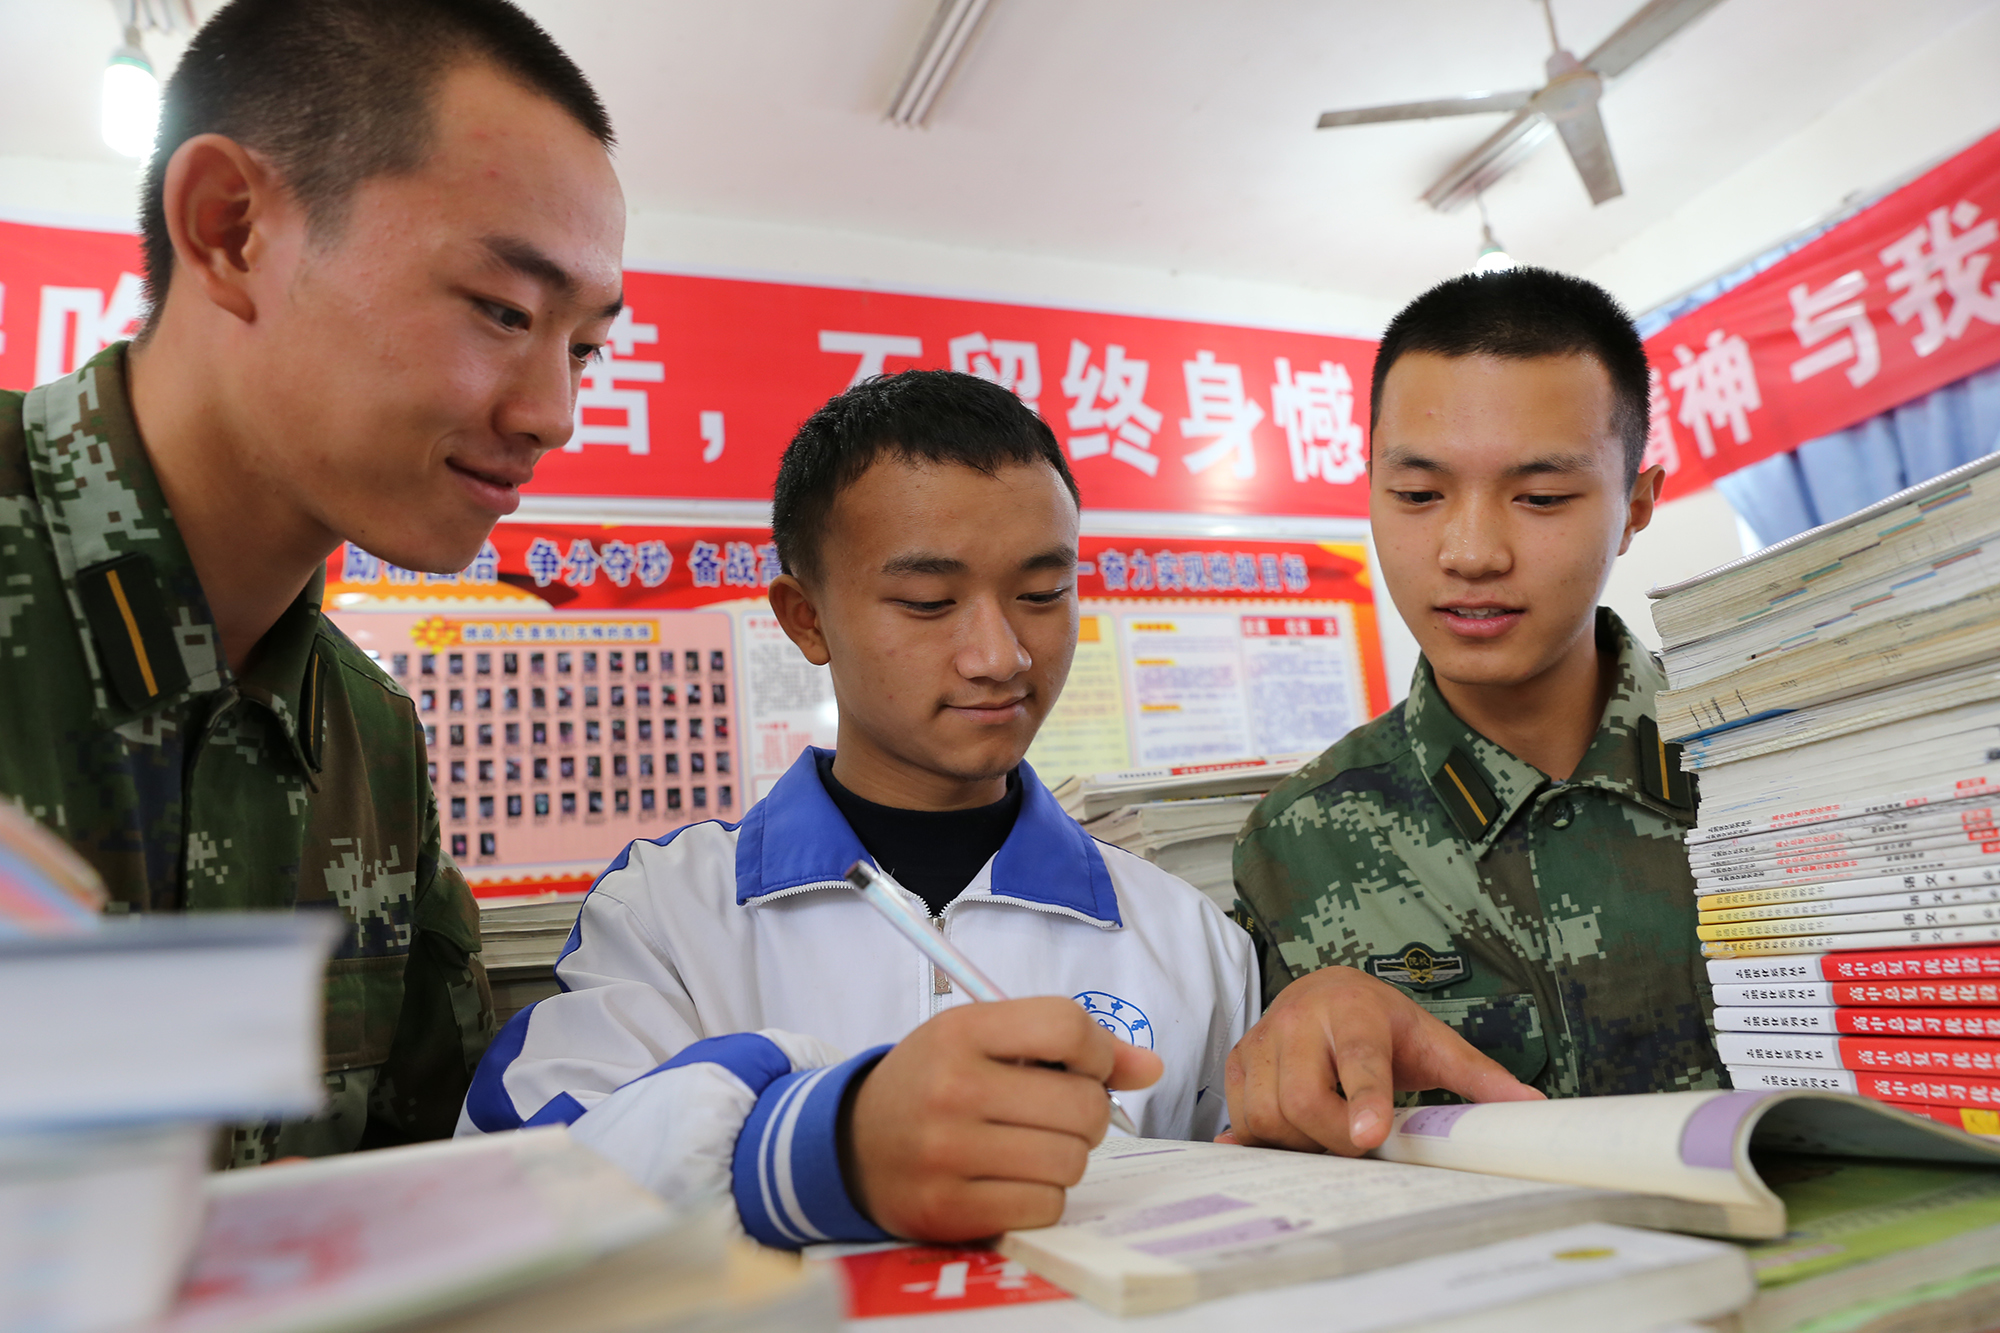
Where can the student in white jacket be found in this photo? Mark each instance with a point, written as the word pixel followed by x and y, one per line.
pixel 733 1016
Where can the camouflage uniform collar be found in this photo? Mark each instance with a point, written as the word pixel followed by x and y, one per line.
pixel 137 605
pixel 1483 785
pixel 288 671
pixel 1628 755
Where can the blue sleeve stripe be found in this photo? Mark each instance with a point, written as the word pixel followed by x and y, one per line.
pixel 561 1109
pixel 773 1146
pixel 788 1185
pixel 750 1056
pixel 487 1104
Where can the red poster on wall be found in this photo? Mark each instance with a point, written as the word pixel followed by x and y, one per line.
pixel 706 379
pixel 1899 300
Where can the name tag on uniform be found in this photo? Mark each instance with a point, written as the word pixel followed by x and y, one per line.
pixel 1419 967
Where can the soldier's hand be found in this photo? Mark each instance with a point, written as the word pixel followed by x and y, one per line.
pixel 1338 1030
pixel 953 1138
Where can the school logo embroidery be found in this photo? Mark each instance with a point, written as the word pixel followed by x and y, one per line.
pixel 1418 967
pixel 1121 1018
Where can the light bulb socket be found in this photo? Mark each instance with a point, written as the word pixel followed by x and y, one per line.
pixel 131 51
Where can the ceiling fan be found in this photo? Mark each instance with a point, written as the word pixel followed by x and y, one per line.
pixel 1566 105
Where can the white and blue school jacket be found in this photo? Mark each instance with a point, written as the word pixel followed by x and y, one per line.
pixel 723 986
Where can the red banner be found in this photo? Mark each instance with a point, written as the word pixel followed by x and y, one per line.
pixel 1899 300
pixel 706 379
pixel 597 567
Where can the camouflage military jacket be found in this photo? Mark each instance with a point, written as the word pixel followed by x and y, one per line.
pixel 300 784
pixel 1551 923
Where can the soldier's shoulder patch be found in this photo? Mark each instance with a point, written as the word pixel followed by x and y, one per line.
pixel 135 636
pixel 1466 795
pixel 1419 967
pixel 1660 767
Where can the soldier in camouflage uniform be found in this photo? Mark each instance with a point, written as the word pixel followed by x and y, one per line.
pixel 370 336
pixel 298 784
pixel 1552 923
pixel 1506 847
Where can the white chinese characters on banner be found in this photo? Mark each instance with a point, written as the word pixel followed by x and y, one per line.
pixel 1944 258
pixel 1316 411
pixel 874 349
pixel 1219 410
pixel 1837 317
pixel 1718 387
pixel 1108 404
pixel 600 391
pixel 1013 365
pixel 78 323
pixel 1835 312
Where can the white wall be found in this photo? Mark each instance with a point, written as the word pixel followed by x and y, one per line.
pixel 851 259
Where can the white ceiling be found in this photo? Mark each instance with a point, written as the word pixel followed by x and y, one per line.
pixel 1169 134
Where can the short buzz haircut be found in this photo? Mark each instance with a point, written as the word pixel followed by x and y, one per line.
pixel 1522 314
pixel 335 92
pixel 918 416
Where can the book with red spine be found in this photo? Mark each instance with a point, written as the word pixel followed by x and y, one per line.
pixel 1983 994
pixel 1930 1089
pixel 1960 963
pixel 1916 1055
pixel 1967 1024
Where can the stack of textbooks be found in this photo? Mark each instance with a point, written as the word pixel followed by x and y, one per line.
pixel 128 1042
pixel 1837 697
pixel 520 939
pixel 1183 819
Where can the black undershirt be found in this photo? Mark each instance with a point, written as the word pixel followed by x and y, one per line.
pixel 932 853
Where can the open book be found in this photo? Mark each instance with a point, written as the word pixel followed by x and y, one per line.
pixel 1155 1225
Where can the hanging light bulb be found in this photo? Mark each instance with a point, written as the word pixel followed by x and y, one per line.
pixel 1492 259
pixel 131 104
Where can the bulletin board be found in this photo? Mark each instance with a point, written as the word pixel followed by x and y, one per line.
pixel 584 685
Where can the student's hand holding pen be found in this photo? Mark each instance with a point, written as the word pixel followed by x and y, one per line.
pixel 962 1131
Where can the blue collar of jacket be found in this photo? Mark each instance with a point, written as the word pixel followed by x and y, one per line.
pixel 797 838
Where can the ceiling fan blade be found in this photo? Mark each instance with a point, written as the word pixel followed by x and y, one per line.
pixel 1469 105
pixel 1652 24
pixel 1583 134
pixel 1505 148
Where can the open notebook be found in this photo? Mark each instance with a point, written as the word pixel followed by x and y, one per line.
pixel 1159 1224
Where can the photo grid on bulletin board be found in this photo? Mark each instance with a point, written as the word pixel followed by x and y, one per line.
pixel 557 738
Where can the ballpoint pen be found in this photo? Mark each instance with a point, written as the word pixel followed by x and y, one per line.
pixel 886 896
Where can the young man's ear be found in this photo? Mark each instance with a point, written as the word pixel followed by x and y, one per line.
pixel 1639 508
pixel 220 201
pixel 799 617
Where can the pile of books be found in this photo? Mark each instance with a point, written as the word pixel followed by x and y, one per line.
pixel 520 939
pixel 1183 819
pixel 1838 698
pixel 136 1039
pixel 129 1041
